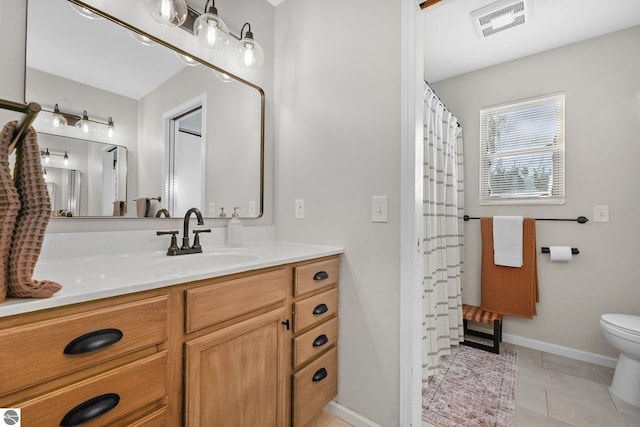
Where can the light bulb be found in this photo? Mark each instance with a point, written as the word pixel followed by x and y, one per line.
pixel 211 30
pixel 224 77
pixel 167 12
pixel 142 38
pixel 250 54
pixel 57 119
pixel 66 159
pixel 47 156
pixel 84 123
pixel 84 11
pixel 187 60
pixel 110 128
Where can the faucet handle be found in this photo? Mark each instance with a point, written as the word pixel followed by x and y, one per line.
pixel 196 240
pixel 173 247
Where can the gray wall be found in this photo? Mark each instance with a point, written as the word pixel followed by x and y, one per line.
pixel 337 94
pixel 601 81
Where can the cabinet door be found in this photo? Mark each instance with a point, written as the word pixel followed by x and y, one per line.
pixel 236 376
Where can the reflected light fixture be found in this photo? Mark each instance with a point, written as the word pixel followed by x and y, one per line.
pixel 224 77
pixel 66 158
pixel 57 119
pixel 168 12
pixel 187 60
pixel 47 156
pixel 84 11
pixel 111 128
pixel 83 123
pixel 250 53
pixel 142 38
pixel 210 29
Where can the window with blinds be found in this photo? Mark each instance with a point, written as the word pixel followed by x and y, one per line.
pixel 522 152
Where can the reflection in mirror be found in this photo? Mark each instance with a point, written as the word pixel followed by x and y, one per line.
pixel 148 95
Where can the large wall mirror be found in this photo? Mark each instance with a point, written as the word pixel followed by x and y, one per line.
pixel 135 130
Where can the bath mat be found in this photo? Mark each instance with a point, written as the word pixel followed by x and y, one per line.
pixel 472 388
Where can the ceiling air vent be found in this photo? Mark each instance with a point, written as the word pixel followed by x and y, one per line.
pixel 500 16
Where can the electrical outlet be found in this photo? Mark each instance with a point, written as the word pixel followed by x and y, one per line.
pixel 299 210
pixel 379 206
pixel 601 213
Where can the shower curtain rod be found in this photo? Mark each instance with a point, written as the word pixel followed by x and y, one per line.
pixel 440 100
pixel 580 219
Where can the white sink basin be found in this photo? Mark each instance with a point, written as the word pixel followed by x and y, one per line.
pixel 201 261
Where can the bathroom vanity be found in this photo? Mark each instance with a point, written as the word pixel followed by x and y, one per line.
pixel 252 344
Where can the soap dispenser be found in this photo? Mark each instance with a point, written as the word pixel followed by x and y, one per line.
pixel 234 229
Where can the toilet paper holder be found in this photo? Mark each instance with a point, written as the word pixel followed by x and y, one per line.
pixel 545 250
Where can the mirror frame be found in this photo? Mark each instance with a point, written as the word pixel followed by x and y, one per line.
pixel 161 42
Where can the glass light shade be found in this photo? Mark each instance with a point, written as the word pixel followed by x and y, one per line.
pixel 211 31
pixel 142 38
pixel 47 156
pixel 57 119
pixel 187 60
pixel 111 128
pixel 250 54
pixel 84 123
pixel 167 12
pixel 66 159
pixel 84 11
pixel 224 77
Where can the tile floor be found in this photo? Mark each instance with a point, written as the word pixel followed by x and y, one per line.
pixel 554 391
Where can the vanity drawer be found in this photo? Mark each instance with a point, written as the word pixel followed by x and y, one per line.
pixel 129 388
pixel 34 353
pixel 315 342
pixel 313 310
pixel 212 304
pixel 156 419
pixel 314 386
pixel 315 276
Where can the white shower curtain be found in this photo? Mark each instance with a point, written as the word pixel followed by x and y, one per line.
pixel 443 206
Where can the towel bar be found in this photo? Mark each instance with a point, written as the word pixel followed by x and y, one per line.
pixel 580 219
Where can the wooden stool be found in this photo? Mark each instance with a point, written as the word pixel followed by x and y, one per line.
pixel 477 314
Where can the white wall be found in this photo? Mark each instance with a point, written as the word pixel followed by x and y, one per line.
pixel 337 87
pixel 601 81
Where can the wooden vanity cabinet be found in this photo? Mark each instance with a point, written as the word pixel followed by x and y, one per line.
pixel 67 363
pixel 314 380
pixel 251 349
pixel 235 370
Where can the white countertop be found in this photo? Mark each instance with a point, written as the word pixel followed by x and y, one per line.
pixel 87 278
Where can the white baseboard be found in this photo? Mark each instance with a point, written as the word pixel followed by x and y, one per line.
pixel 349 416
pixel 559 350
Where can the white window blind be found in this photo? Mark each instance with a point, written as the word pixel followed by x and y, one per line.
pixel 522 152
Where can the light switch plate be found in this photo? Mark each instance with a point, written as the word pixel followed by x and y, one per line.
pixel 379 206
pixel 299 210
pixel 601 213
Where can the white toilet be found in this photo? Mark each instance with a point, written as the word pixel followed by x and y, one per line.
pixel 623 333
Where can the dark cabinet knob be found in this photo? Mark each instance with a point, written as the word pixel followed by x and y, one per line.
pixel 319 375
pixel 320 341
pixel 321 275
pixel 93 341
pixel 320 309
pixel 90 410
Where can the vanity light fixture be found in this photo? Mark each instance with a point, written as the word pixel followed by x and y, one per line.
pixel 212 32
pixel 57 119
pixel 84 123
pixel 223 77
pixel 168 12
pixel 210 29
pixel 46 156
pixel 146 41
pixel 250 53
pixel 111 128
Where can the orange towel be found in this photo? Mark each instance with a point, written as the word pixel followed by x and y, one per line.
pixel 510 291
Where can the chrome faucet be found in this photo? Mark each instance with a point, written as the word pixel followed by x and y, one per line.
pixel 186 248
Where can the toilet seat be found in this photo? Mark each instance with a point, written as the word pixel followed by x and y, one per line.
pixel 626 324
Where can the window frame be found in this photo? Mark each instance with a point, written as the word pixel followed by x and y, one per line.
pixel 557 150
